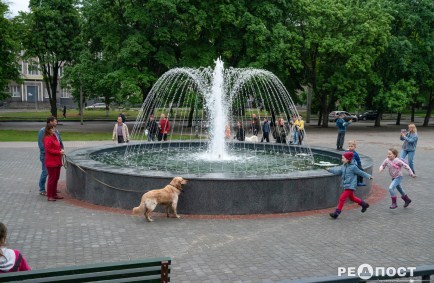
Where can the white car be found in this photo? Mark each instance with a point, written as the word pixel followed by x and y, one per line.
pixel 96 106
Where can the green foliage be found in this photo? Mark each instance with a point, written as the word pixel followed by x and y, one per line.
pixel 9 52
pixel 49 33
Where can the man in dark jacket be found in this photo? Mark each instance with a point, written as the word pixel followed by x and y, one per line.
pixel 152 128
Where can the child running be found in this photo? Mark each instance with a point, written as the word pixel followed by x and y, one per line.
pixel 352 147
pixel 395 170
pixel 349 172
pixel 10 260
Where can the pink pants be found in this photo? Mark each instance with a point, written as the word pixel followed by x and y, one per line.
pixel 53 178
pixel 348 193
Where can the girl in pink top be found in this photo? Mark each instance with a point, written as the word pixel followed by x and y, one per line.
pixel 395 170
pixel 10 260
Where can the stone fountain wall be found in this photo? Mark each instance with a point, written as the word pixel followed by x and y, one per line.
pixel 213 194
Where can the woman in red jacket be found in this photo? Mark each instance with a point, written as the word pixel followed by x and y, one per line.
pixel 53 161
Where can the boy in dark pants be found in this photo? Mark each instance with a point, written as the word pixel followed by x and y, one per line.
pixel 349 172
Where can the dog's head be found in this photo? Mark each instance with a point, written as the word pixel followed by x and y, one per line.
pixel 177 182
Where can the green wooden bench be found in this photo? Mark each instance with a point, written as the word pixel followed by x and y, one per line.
pixel 146 270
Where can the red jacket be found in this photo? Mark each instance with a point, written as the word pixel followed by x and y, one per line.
pixel 52 147
pixel 164 126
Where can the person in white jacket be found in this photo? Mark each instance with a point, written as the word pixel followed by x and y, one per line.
pixel 120 132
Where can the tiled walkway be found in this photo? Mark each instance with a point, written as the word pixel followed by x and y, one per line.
pixel 226 250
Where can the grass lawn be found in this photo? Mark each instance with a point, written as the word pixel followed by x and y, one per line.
pixel 13 135
pixel 71 115
pixel 32 136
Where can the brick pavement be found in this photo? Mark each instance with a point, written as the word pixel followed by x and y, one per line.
pixel 226 250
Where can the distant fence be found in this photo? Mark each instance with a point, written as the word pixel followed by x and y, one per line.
pixel 420 274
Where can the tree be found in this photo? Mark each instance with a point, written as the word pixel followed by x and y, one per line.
pixel 51 31
pixel 340 41
pixel 9 52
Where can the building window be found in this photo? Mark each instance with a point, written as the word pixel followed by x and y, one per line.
pixel 32 69
pixel 64 93
pixel 46 93
pixel 15 91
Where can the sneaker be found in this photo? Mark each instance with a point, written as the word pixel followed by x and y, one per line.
pixel 43 193
pixel 361 184
pixel 334 215
pixel 364 207
pixel 58 197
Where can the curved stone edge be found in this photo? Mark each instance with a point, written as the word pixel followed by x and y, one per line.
pixel 111 186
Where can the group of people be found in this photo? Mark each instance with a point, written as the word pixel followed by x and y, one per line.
pixel 353 174
pixel 153 129
pixel 281 132
pixel 51 151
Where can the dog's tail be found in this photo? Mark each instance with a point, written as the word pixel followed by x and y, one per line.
pixel 139 209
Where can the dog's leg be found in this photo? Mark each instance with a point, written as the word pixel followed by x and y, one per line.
pixel 174 210
pixel 147 211
pixel 166 208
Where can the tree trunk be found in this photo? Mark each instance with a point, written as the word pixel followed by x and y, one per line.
pixel 398 119
pixel 324 111
pixel 429 110
pixel 413 109
pixel 53 98
pixel 378 120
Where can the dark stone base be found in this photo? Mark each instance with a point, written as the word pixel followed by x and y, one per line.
pixel 111 186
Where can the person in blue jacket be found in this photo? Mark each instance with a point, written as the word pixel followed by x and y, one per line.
pixel 409 146
pixel 352 147
pixel 43 178
pixel 342 128
pixel 349 172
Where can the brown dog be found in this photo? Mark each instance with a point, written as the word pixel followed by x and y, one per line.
pixel 167 196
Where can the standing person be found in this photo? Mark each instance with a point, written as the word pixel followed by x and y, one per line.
pixel 352 147
pixel 64 111
pixel 395 165
pixel 409 145
pixel 152 128
pixel 53 161
pixel 227 132
pixel 349 171
pixel 266 130
pixel 10 260
pixel 255 125
pixel 124 118
pixel 300 129
pixel 120 132
pixel 164 127
pixel 280 131
pixel 342 128
pixel 43 178
pixel 241 134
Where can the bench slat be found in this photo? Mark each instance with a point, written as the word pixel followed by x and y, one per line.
pixel 128 268
pixel 99 276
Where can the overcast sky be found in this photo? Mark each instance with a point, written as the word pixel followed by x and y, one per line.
pixel 17 5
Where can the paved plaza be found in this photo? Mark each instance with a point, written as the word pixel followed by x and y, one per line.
pixel 62 233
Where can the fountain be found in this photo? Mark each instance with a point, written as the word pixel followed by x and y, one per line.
pixel 226 176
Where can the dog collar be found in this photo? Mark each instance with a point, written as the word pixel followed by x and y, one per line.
pixel 176 187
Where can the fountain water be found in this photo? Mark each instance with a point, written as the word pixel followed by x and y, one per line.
pixel 226 176
pixel 200 104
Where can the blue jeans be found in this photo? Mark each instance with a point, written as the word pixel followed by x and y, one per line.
pixel 396 183
pixel 151 137
pixel 295 137
pixel 44 174
pixel 410 154
pixel 340 140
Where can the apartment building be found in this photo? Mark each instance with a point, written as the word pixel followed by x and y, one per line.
pixel 32 93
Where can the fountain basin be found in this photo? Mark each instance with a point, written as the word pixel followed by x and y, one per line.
pixel 213 193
